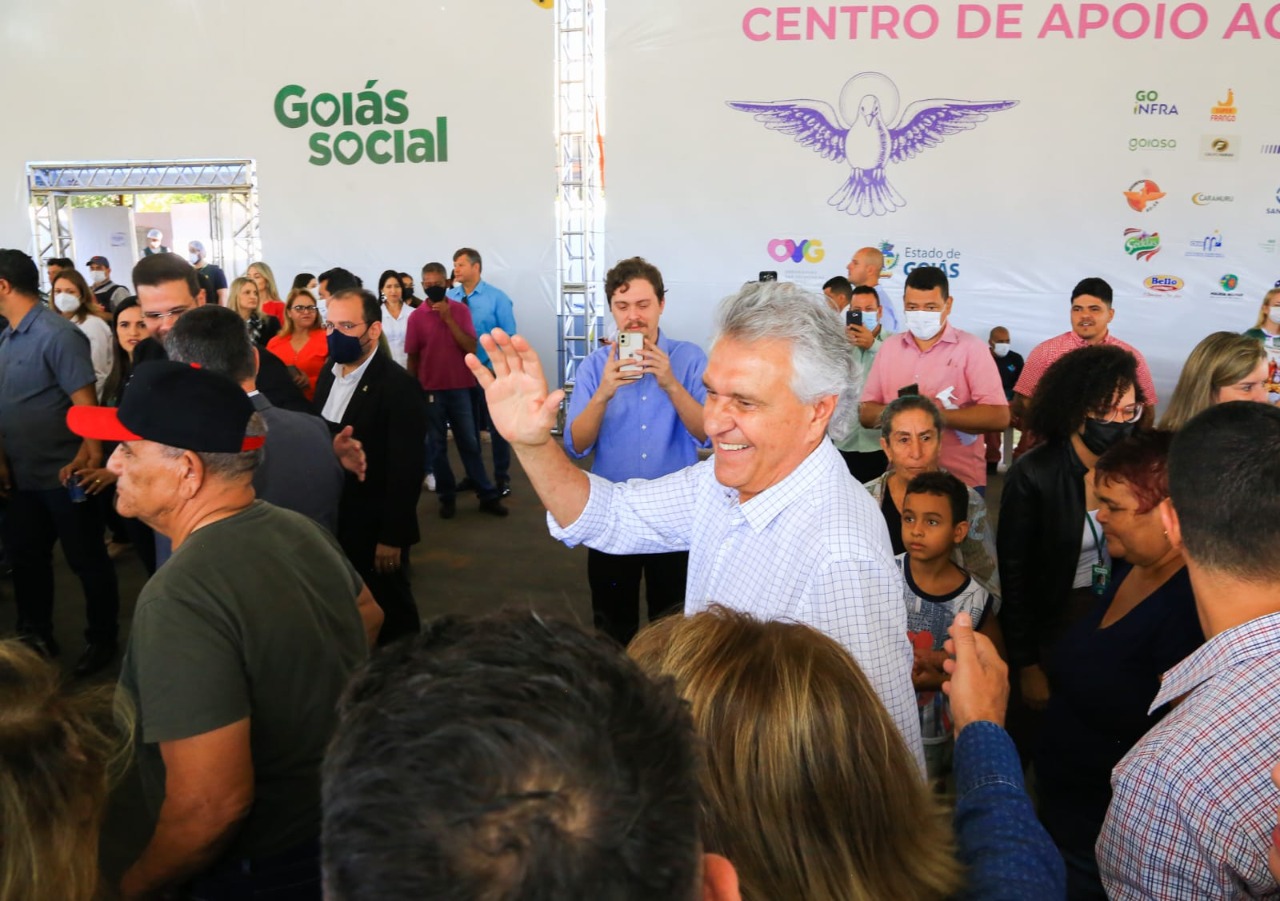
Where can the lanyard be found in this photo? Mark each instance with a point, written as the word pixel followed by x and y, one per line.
pixel 1101 571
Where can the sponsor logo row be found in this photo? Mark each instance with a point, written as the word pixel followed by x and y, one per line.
pixel 1148 102
pixel 1145 194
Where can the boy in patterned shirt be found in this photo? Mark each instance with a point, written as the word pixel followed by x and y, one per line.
pixel 934 520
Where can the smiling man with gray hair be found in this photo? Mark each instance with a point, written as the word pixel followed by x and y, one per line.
pixel 773 523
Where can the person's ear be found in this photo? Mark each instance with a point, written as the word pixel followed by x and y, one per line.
pixel 1169 519
pixel 191 474
pixel 719 879
pixel 823 409
pixel 961 532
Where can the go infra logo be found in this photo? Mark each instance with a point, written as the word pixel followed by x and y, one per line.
pixel 805 250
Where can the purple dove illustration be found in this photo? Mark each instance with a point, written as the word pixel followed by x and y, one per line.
pixel 860 136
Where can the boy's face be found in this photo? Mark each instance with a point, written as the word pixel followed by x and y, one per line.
pixel 927 530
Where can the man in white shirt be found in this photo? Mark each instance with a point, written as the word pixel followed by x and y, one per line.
pixel 773 524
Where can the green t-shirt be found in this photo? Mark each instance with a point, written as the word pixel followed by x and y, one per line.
pixel 253 616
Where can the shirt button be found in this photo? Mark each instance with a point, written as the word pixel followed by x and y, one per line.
pixel 644 397
pixel 643 427
pixel 644 456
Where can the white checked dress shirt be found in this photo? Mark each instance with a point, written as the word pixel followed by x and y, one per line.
pixel 811 549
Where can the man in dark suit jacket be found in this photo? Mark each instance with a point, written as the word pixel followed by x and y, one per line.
pixel 378 518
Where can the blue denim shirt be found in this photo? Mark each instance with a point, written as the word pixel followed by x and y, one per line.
pixel 1007 854
pixel 490 308
pixel 42 362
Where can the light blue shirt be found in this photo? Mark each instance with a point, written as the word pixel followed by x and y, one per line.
pixel 641 435
pixel 490 307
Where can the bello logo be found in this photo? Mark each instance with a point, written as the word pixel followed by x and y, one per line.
pixel 805 251
pixel 368 107
pixel 1163 284
pixel 1141 245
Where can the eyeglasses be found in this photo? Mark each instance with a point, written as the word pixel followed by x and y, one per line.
pixel 345 327
pixel 161 317
pixel 1125 414
pixel 303 308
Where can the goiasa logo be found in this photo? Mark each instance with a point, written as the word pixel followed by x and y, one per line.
pixel 364 108
pixel 803 251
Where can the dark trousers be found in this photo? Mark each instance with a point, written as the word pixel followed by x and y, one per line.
pixel 615 589
pixel 35 521
pixel 391 590
pixel 453 405
pixel 865 465
pixel 501 449
pixel 291 876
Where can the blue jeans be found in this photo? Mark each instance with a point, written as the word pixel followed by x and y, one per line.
pixel 501 449
pixel 34 522
pixel 453 405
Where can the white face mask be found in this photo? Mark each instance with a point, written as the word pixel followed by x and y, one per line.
pixel 67 303
pixel 870 319
pixel 194 258
pixel 924 324
pixel 97 276
pixel 1002 350
pixel 1274 315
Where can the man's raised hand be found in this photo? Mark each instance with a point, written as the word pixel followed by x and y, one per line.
pixel 522 410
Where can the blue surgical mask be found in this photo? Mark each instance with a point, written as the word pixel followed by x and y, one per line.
pixel 870 319
pixel 344 348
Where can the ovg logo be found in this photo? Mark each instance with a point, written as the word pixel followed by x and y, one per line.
pixel 804 251
pixel 1141 245
pixel 363 108
pixel 1144 104
pixel 1163 284
pixel 1143 195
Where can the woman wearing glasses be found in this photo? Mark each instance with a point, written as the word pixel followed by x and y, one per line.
pixel 302 344
pixel 1049 546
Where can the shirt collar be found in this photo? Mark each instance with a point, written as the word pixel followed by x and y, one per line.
pixel 1248 641
pixel 29 320
pixel 803 482
pixel 355 375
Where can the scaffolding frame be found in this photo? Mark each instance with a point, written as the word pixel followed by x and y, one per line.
pixel 580 181
pixel 231 184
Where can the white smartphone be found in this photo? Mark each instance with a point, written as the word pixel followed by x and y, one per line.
pixel 630 344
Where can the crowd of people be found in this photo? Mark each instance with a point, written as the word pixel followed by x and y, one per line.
pixel 848 663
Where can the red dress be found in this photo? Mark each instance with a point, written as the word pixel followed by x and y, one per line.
pixel 274 308
pixel 310 359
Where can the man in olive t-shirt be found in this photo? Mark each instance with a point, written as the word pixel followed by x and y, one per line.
pixel 242 643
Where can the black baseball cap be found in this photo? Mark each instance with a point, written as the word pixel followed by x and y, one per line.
pixel 177 404
pixel 99 261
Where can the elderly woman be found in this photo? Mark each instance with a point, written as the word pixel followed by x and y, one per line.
pixel 1106 670
pixel 74 299
pixel 246 302
pixel 1053 562
pixel 1224 366
pixel 302 345
pixel 911 436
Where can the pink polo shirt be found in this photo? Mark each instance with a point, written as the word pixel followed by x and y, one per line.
pixel 960 362
pixel 441 362
pixel 1050 351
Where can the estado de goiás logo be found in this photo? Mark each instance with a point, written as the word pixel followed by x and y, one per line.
pixel 353 113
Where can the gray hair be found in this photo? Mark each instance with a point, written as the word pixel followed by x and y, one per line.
pixel 821 362
pixel 902 405
pixel 231 466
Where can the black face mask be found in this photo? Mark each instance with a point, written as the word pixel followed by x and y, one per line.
pixel 436 293
pixel 1101 436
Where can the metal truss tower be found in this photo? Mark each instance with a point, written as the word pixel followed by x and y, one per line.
pixel 580 180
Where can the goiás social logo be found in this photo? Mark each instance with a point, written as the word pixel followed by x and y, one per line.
pixel 356 125
pixel 805 250
pixel 1163 284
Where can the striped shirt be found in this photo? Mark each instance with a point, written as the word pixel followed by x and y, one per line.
pixel 1192 804
pixel 811 549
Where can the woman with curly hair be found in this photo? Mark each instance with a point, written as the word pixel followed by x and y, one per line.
pixel 1051 552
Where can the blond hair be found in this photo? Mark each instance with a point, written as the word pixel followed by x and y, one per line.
pixel 810 790
pixel 1221 359
pixel 233 296
pixel 1266 305
pixel 268 276
pixel 60 752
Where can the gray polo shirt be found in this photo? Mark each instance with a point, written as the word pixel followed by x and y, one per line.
pixel 42 362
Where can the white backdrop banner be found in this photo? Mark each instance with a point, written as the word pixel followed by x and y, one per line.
pixel 1021 147
pixel 384 136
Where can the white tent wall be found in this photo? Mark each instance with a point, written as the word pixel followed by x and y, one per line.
pixel 158 80
pixel 1019 209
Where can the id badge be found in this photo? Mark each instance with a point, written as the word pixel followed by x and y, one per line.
pixel 1101 578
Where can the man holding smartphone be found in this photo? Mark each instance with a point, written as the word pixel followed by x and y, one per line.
pixel 642 416
pixel 865 332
